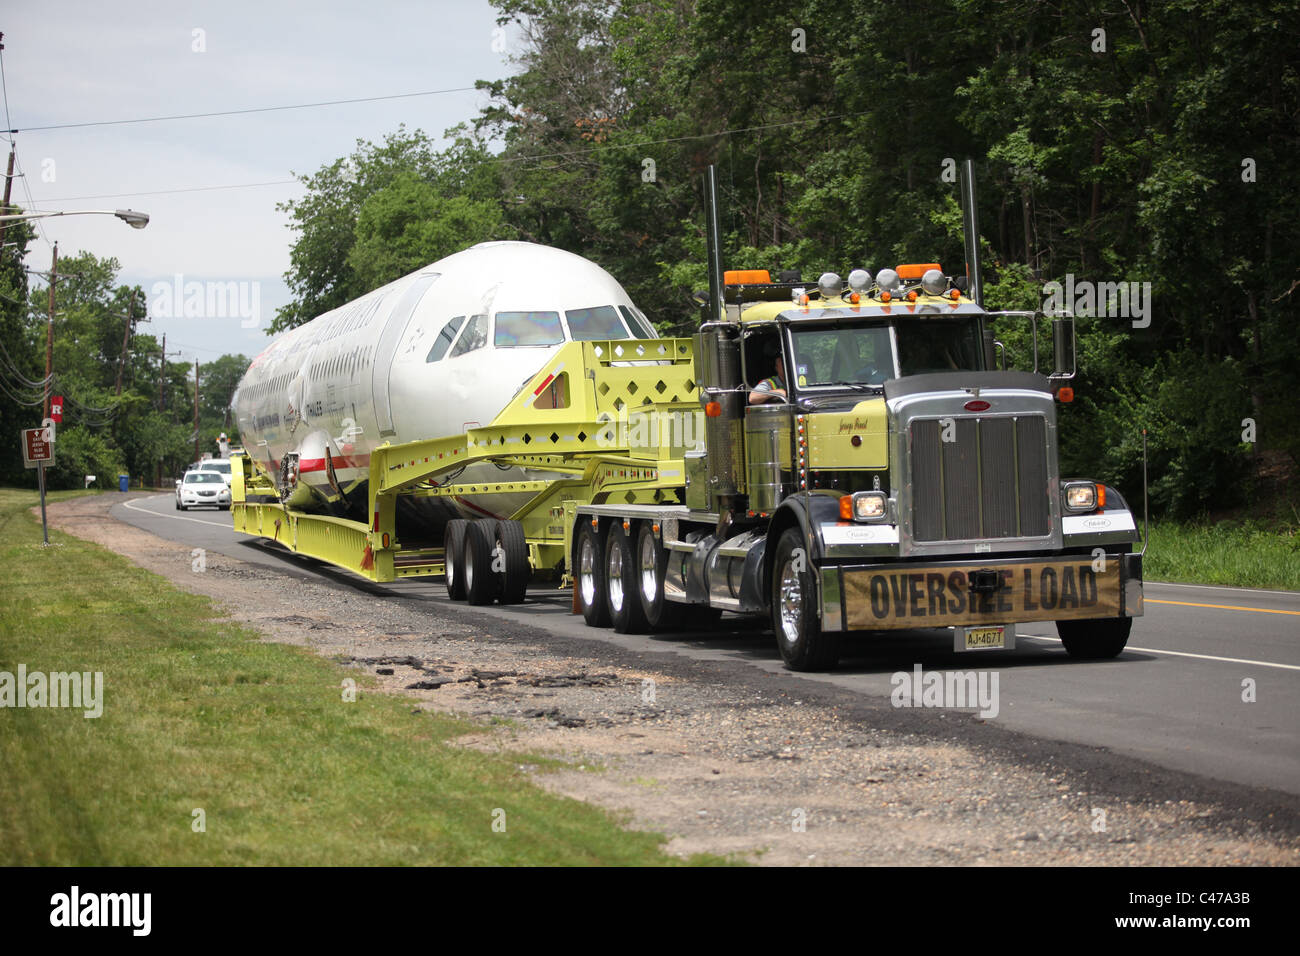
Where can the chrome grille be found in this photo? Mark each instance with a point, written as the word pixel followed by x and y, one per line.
pixel 989 481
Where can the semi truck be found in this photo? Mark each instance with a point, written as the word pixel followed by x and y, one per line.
pixel 842 458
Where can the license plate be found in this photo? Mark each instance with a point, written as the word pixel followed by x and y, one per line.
pixel 986 637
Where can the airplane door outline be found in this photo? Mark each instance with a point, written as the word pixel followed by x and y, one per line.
pixel 386 349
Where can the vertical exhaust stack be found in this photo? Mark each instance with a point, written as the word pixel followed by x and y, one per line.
pixel 713 243
pixel 717 363
pixel 970 228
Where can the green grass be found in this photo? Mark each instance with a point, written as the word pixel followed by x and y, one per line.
pixel 1230 553
pixel 198 714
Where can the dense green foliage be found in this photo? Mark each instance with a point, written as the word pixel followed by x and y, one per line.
pixel 146 429
pixel 1136 143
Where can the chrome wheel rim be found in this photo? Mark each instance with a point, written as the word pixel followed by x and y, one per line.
pixel 587 572
pixel 649 575
pixel 614 579
pixel 469 570
pixel 450 569
pixel 791 603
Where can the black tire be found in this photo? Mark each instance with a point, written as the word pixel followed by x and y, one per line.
pixel 623 582
pixel 178 504
pixel 453 558
pixel 589 574
pixel 652 567
pixel 513 580
pixel 799 635
pixel 1095 640
pixel 481 585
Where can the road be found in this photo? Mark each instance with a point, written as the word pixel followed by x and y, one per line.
pixel 1175 697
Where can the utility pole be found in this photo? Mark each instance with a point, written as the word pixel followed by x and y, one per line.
pixel 196 409
pixel 126 337
pixel 49 334
pixel 162 372
pixel 9 182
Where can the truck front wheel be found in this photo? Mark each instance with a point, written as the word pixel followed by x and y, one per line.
pixel 799 635
pixel 1095 640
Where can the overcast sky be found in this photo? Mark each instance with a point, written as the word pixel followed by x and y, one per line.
pixel 82 62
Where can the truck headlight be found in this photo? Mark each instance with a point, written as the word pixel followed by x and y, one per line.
pixel 863 506
pixel 1081 496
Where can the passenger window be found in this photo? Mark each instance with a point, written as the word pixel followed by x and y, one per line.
pixel 474 336
pixel 443 342
pixel 528 328
pixel 602 322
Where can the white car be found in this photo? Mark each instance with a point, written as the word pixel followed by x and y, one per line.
pixel 220 465
pixel 202 488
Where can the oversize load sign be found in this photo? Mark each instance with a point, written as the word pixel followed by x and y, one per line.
pixel 36 448
pixel 898 597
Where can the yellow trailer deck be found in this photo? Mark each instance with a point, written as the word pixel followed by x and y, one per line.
pixel 605 421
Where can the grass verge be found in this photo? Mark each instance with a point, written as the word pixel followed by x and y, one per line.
pixel 1244 554
pixel 200 715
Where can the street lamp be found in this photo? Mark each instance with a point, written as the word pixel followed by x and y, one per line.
pixel 136 220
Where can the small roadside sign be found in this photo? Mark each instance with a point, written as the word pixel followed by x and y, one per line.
pixel 37 449
pixel 56 409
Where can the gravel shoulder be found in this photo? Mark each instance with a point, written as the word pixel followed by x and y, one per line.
pixel 767 768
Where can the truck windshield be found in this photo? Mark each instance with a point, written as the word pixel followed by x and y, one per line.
pixel 936 345
pixel 842 356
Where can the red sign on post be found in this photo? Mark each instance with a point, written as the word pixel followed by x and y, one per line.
pixel 56 409
pixel 36 449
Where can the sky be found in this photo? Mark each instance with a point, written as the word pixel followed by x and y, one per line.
pixel 92 62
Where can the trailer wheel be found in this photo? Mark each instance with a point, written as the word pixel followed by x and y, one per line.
pixel 623 582
pixel 480 583
pixel 799 635
pixel 513 580
pixel 453 558
pixel 589 575
pixel 652 562
pixel 1095 640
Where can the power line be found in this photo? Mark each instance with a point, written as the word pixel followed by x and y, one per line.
pixel 578 153
pixel 167 192
pixel 257 109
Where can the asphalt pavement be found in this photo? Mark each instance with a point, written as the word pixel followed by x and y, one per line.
pixel 1209 683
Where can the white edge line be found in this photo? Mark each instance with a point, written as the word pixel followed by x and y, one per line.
pixel 154 514
pixel 1203 657
pixel 1219 587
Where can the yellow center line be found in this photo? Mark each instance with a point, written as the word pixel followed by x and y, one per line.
pixel 1225 607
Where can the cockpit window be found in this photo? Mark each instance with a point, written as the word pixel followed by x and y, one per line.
pixel 474 336
pixel 528 328
pixel 638 323
pixel 601 322
pixel 443 342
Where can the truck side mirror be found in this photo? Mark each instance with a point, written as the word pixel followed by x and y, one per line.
pixel 1063 347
